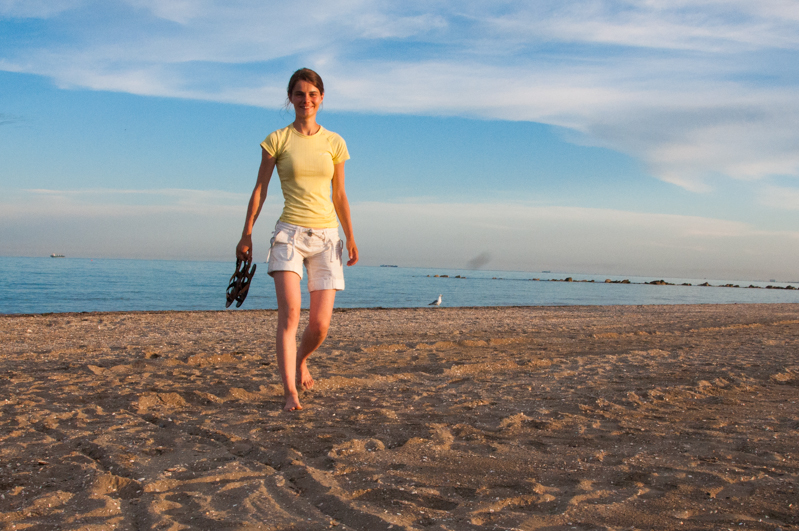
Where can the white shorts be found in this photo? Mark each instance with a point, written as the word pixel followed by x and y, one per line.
pixel 319 249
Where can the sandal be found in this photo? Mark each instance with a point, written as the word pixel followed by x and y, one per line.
pixel 239 283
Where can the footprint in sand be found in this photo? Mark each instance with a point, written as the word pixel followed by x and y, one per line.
pixel 160 401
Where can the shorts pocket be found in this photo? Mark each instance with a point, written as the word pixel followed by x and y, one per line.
pixel 281 246
pixel 340 251
pixel 280 237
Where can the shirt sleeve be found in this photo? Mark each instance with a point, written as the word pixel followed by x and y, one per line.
pixel 340 153
pixel 270 144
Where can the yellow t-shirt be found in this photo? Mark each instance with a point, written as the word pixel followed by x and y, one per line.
pixel 305 167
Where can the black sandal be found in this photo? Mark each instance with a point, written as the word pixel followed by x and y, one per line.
pixel 239 283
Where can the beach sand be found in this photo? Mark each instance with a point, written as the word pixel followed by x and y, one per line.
pixel 616 417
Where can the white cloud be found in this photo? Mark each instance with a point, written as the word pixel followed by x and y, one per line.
pixel 692 88
pixel 110 203
pixel 180 11
pixel 99 202
pixel 37 8
pixel 395 26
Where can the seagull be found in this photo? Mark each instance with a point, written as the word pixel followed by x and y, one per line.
pixel 436 302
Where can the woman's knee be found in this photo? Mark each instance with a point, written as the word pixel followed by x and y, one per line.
pixel 319 326
pixel 321 311
pixel 289 298
pixel 288 317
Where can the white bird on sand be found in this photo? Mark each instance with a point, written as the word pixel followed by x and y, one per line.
pixel 436 302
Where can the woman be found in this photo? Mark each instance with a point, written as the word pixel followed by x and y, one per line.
pixel 310 161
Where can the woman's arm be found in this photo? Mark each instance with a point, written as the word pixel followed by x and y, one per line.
pixel 342 207
pixel 244 248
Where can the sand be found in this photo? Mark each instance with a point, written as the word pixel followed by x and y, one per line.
pixel 638 417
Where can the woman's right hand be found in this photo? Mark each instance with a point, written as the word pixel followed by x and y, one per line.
pixel 244 248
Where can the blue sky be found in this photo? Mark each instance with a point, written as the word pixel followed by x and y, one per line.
pixel 609 137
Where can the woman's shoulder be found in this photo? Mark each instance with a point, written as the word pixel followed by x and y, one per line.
pixel 334 139
pixel 337 145
pixel 275 142
pixel 283 132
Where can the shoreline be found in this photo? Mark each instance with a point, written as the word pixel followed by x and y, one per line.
pixel 595 417
pixel 389 308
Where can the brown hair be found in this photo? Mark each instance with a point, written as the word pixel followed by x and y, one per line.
pixel 308 75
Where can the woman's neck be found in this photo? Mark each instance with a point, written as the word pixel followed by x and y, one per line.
pixel 307 127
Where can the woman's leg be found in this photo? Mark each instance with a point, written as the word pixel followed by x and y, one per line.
pixel 289 297
pixel 315 333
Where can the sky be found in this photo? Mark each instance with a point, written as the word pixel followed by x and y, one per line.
pixel 653 138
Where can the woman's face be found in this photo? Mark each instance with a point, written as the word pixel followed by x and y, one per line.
pixel 306 99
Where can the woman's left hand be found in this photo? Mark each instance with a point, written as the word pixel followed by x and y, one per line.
pixel 352 253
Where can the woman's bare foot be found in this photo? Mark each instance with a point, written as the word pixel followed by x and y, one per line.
pixel 304 379
pixel 292 403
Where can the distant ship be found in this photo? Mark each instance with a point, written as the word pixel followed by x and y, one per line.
pixel 386 265
pixel 57 256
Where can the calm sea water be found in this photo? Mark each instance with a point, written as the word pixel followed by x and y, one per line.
pixel 42 285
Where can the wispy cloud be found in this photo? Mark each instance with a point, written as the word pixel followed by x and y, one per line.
pixel 695 89
pixel 110 203
pixel 7 119
pixel 37 8
pixel 780 197
pixel 534 237
pixel 179 195
pixel 682 25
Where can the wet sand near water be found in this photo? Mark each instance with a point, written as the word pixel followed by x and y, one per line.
pixel 555 418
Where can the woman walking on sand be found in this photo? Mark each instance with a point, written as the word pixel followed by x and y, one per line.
pixel 310 162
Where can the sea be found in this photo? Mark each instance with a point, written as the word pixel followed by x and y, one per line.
pixel 49 285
